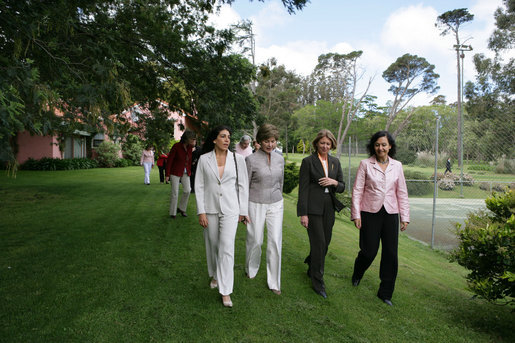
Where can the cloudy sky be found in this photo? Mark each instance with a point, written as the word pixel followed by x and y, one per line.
pixel 383 29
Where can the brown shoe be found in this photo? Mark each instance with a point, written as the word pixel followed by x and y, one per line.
pixel 276 291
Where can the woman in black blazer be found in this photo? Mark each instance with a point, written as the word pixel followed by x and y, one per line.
pixel 320 177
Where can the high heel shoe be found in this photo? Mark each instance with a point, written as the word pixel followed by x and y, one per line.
pixel 226 300
pixel 213 283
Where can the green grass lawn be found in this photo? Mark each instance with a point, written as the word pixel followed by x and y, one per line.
pixel 92 256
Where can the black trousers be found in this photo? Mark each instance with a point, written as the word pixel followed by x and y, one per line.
pixel 320 230
pixel 161 173
pixel 376 227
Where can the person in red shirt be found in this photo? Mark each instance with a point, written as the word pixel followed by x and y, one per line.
pixel 161 164
pixel 178 170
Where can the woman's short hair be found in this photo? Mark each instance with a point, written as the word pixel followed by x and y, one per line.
pixel 209 144
pixel 245 138
pixel 187 135
pixel 267 131
pixel 324 133
pixel 375 137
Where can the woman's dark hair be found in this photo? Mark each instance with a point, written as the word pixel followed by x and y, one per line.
pixel 187 135
pixel 375 137
pixel 209 145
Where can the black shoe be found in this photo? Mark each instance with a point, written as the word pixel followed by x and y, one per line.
pixel 172 216
pixel 355 281
pixel 182 213
pixel 322 293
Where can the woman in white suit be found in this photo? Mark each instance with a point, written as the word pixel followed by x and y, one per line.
pixel 221 188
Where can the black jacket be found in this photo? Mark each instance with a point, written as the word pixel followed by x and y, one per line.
pixel 310 192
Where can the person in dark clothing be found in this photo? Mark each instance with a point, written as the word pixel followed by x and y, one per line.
pixel 197 151
pixel 320 178
pixel 448 166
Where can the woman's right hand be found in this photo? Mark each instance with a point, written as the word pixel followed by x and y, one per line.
pixel 357 223
pixel 202 219
pixel 304 221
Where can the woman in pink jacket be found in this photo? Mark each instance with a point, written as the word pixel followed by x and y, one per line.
pixel 379 198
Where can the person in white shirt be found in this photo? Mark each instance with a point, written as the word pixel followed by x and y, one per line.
pixel 147 161
pixel 222 195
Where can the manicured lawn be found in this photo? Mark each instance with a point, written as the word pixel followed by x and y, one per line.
pixel 92 256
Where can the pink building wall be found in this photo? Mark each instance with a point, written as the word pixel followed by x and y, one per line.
pixel 36 147
pixel 179 119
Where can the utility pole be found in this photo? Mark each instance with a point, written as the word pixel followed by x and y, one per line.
pixel 460 49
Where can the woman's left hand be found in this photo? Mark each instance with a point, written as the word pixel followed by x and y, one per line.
pixel 404 226
pixel 326 182
pixel 244 219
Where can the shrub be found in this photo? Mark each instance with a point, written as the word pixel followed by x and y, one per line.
pixel 107 154
pixel 425 159
pixel 291 177
pixel 47 163
pixel 301 147
pixel 446 184
pixel 346 199
pixel 496 187
pixel 419 187
pixel 487 249
pixel 449 178
pixel 406 156
pixel 505 166
pixel 122 163
pixel 131 149
pixel 484 167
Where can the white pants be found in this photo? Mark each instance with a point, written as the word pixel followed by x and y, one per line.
pixel 147 166
pixel 272 214
pixel 219 237
pixel 186 190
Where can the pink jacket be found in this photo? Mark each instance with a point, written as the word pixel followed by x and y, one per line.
pixel 374 188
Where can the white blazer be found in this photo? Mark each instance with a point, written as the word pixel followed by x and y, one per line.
pixel 218 195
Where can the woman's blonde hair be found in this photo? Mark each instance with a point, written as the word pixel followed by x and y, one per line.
pixel 324 133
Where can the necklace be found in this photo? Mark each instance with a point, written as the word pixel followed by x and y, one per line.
pixel 384 162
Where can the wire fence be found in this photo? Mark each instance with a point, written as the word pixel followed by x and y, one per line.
pixel 442 190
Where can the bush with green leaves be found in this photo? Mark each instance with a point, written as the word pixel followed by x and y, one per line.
pixel 505 166
pixel 417 183
pixel 291 177
pixel 108 154
pixel 346 199
pixel 122 163
pixel 47 163
pixel 487 249
pixel 482 167
pixel 131 149
pixel 406 156
pixel 301 147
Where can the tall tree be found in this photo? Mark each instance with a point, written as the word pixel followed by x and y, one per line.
pixel 335 79
pixel 93 58
pixel 409 75
pixel 451 21
pixel 490 102
pixel 291 5
pixel 278 95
